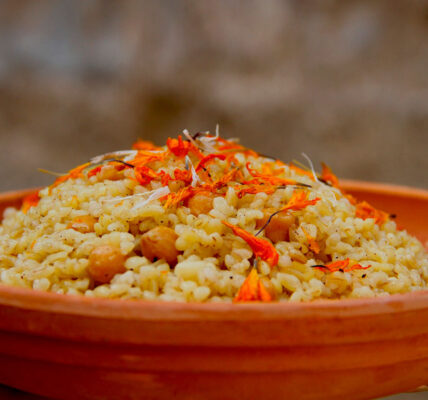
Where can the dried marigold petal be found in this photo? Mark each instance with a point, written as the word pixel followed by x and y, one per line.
pixel 313 244
pixel 29 201
pixel 266 178
pixel 141 144
pixel 178 147
pixel 365 210
pixel 328 176
pixel 271 180
pixel 252 289
pixel 261 247
pixel 301 171
pixel 173 199
pixel 95 171
pixel 355 267
pixel 264 294
pixel 207 159
pixel 268 169
pixel 268 189
pixel 73 174
pixel 181 148
pixel 145 175
pixel 350 198
pixel 299 201
pixel 231 160
pixel 231 176
pixel 340 265
pixel 183 175
pixel 144 157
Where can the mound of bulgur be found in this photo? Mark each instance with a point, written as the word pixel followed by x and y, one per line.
pixel 205 219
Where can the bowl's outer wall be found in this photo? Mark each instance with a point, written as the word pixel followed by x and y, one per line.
pixel 70 347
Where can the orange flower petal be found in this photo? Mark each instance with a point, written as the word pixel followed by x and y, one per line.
pixel 261 247
pixel 252 289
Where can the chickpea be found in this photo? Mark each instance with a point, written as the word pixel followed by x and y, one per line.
pixel 83 224
pixel 105 262
pixel 268 285
pixel 159 243
pixel 279 226
pixel 201 203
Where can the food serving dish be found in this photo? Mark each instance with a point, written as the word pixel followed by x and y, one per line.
pixel 69 347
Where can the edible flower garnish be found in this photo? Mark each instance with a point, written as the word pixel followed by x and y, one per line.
pixel 341 265
pixel 95 171
pixel 178 147
pixel 198 152
pixel 328 176
pixel 183 175
pixel 210 157
pixel 145 157
pixel 261 247
pixel 300 170
pixel 145 145
pixel 313 244
pixel 252 289
pixel 181 148
pixel 174 198
pixel 266 178
pixel 366 210
pixel 30 201
pixel 299 201
pixel 145 175
pixel 254 189
pixel 73 174
pixel 233 175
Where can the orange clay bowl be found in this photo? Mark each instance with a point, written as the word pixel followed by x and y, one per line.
pixel 70 347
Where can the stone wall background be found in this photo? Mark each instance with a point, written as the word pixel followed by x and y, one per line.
pixel 345 82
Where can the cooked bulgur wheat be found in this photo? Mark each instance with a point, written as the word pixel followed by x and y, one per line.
pixel 57 241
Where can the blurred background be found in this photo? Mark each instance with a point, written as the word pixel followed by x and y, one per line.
pixel 345 82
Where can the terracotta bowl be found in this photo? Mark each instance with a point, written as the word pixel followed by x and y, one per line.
pixel 70 347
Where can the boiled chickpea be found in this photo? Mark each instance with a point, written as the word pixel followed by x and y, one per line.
pixel 159 243
pixel 201 203
pixel 105 262
pixel 279 226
